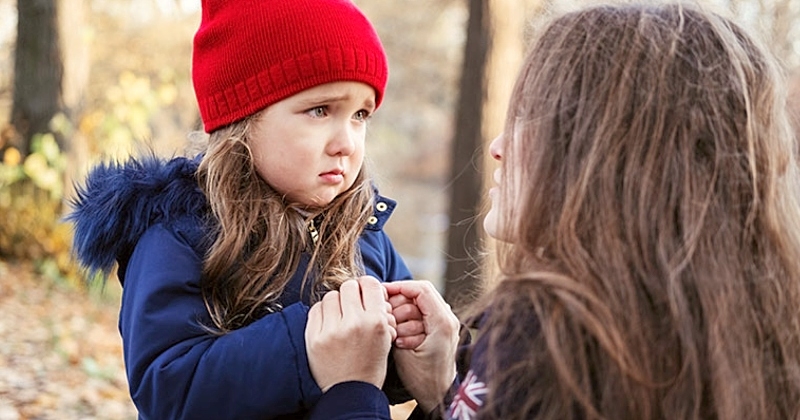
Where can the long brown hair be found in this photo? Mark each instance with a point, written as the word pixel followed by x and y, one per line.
pixel 656 248
pixel 259 237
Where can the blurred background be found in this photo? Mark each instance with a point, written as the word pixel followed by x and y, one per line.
pixel 82 81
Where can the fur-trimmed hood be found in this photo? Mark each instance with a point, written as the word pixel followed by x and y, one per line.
pixel 120 201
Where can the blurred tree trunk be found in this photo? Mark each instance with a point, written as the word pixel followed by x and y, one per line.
pixel 492 57
pixel 463 238
pixel 74 44
pixel 76 63
pixel 38 70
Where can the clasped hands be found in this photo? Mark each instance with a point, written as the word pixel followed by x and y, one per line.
pixel 350 333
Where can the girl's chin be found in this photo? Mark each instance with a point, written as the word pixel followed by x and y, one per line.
pixel 313 202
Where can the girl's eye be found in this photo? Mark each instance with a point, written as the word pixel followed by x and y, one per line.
pixel 361 115
pixel 317 112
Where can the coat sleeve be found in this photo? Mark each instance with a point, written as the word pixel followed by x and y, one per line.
pixel 178 370
pixel 352 401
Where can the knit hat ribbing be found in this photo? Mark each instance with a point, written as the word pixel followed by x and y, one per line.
pixel 249 54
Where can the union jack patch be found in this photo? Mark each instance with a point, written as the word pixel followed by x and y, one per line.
pixel 468 399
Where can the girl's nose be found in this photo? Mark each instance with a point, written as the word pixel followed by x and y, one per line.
pixel 343 142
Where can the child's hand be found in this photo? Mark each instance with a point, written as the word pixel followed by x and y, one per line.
pixel 349 334
pixel 410 329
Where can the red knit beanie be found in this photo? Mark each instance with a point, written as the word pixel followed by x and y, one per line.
pixel 249 54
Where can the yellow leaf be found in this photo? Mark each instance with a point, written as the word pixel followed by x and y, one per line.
pixel 12 157
pixel 34 165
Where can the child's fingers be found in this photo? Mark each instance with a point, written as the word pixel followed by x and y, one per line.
pixel 390 316
pixel 392 326
pixel 392 320
pixel 406 312
pixel 398 300
pixel 410 328
pixel 409 342
pixel 424 294
pixel 389 310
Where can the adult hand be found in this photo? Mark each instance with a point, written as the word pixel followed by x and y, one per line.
pixel 428 369
pixel 349 334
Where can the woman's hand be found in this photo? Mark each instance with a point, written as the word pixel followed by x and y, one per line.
pixel 427 369
pixel 349 334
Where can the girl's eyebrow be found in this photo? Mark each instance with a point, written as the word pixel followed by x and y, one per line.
pixel 322 99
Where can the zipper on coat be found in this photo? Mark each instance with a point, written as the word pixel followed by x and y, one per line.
pixel 313 231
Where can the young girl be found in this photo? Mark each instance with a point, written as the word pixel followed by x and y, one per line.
pixel 648 202
pixel 220 256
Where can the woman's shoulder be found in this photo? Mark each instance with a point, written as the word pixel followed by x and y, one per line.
pixel 119 201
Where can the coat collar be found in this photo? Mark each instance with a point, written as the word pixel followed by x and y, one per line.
pixel 120 201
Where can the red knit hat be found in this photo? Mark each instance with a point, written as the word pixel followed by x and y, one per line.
pixel 249 54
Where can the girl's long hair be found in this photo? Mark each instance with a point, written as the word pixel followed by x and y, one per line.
pixel 260 239
pixel 654 268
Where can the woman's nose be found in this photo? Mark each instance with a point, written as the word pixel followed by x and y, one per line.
pixel 496 147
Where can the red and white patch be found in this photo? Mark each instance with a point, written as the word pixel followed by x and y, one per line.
pixel 469 398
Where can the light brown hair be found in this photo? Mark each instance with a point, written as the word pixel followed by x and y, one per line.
pixel 654 271
pixel 259 237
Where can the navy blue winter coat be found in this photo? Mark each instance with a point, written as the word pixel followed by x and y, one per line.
pixel 148 216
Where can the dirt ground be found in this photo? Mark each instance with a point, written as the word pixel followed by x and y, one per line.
pixel 60 351
pixel 60 354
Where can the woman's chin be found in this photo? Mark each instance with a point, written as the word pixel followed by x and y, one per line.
pixel 490 224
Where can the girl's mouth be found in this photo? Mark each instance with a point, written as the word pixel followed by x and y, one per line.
pixel 332 177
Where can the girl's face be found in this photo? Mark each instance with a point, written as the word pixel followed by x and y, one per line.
pixel 310 146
